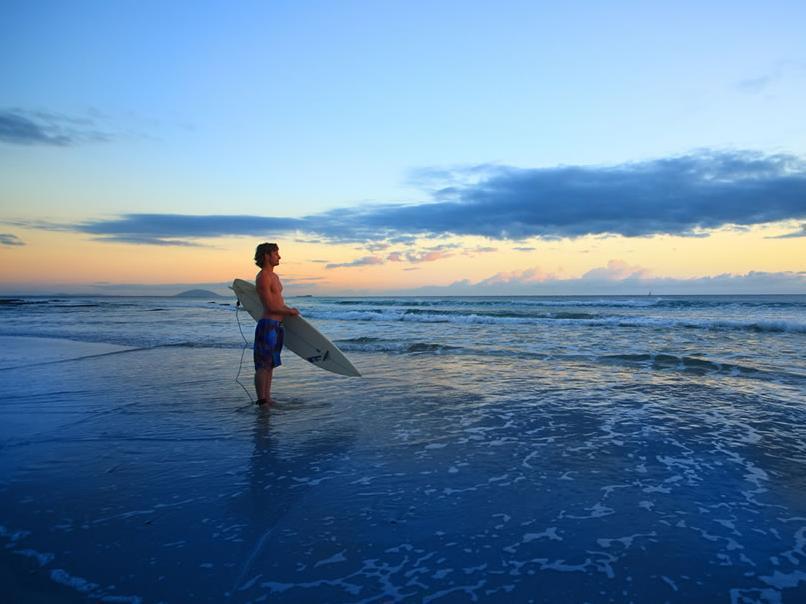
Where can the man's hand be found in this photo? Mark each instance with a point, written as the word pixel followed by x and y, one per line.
pixel 294 312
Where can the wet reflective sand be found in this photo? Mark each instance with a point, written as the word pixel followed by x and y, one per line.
pixel 148 476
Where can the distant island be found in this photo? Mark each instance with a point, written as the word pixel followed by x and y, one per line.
pixel 198 293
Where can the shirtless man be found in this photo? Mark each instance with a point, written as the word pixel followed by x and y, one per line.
pixel 269 331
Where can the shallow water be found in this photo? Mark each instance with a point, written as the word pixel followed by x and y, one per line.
pixel 633 465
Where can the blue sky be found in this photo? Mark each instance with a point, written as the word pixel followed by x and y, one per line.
pixel 355 121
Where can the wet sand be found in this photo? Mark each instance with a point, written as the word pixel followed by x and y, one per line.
pixel 18 352
pixel 148 475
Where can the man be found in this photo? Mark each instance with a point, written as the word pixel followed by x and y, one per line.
pixel 269 331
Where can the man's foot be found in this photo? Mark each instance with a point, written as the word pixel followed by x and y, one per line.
pixel 261 401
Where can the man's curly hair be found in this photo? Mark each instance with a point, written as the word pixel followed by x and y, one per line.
pixel 262 250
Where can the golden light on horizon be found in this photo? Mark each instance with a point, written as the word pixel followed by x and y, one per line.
pixel 59 257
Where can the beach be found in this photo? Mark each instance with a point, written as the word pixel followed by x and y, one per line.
pixel 539 270
pixel 460 467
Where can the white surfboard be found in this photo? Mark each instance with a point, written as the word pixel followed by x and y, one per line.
pixel 301 338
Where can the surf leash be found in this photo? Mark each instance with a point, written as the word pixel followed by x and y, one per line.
pixel 243 350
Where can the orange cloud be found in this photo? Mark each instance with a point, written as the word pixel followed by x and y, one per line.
pixel 530 275
pixel 617 270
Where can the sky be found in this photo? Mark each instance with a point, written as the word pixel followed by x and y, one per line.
pixel 423 148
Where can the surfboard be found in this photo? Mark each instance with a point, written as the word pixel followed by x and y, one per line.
pixel 301 338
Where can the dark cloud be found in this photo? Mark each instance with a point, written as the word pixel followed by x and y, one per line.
pixel 403 240
pixel 10 240
pixel 792 235
pixel 684 196
pixel 20 127
pixel 145 240
pixel 671 196
pixel 174 229
pixel 20 130
pixel 480 250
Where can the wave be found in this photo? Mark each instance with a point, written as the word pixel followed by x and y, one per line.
pixel 750 302
pixel 655 361
pixel 699 366
pixel 505 314
pixel 685 363
pixel 50 304
pixel 549 319
pixel 379 345
pixel 491 302
pixel 637 302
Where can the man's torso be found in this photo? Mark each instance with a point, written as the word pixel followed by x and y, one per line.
pixel 275 292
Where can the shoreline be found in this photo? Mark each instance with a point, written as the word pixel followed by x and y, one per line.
pixel 17 352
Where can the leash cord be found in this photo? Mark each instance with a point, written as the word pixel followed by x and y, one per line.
pixel 243 350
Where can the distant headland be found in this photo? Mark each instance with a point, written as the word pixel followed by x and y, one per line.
pixel 198 293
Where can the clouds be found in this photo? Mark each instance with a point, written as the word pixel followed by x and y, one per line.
pixel 365 261
pixel 20 127
pixel 678 196
pixel 10 240
pixel 793 234
pixel 411 256
pixel 522 278
pixel 430 254
pixel 619 278
pixel 686 195
pixel 616 270
pixel 175 229
pixel 20 130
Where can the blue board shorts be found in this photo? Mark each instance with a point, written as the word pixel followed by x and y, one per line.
pixel 269 335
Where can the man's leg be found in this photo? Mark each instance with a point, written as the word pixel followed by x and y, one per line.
pixel 263 384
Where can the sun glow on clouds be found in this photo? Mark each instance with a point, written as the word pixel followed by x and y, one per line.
pixel 595 260
pixel 617 270
pixel 319 267
pixel 529 275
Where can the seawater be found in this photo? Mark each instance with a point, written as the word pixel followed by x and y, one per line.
pixel 739 336
pixel 518 449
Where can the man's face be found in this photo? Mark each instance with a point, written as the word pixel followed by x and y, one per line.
pixel 274 257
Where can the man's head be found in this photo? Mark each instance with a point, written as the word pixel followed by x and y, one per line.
pixel 267 251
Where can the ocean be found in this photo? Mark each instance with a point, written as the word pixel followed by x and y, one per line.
pixel 525 449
